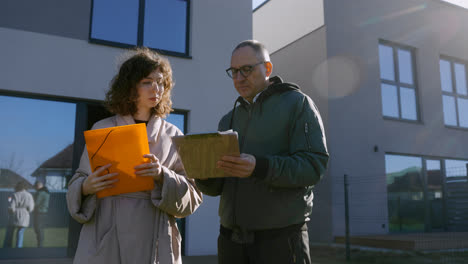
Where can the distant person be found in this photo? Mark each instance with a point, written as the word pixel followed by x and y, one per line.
pixel 266 203
pixel 21 204
pixel 41 199
pixel 137 227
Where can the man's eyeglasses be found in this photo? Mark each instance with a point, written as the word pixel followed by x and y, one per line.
pixel 244 70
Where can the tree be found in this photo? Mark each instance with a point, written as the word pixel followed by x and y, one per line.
pixel 13 163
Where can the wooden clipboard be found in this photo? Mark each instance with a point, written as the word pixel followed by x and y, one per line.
pixel 200 152
pixel 123 147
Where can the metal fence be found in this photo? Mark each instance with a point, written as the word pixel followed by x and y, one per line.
pixel 409 210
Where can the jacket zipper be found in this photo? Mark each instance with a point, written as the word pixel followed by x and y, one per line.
pixel 306 130
pixel 250 109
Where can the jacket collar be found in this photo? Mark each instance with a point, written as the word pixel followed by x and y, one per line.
pixel 152 128
pixel 276 86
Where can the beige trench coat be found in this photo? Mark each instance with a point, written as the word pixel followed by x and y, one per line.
pixel 21 205
pixel 136 227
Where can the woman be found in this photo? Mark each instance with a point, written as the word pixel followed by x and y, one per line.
pixel 21 205
pixel 135 227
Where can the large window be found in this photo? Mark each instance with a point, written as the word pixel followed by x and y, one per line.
pixel 453 82
pixel 157 24
pixel 456 170
pixel 426 193
pixel 398 82
pixel 36 142
pixel 178 118
pixel 46 145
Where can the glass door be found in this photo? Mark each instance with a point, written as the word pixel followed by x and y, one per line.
pixel 435 209
pixel 405 193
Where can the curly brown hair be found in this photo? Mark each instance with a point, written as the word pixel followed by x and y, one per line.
pixel 122 96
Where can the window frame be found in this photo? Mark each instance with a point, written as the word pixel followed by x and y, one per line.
pixel 140 32
pixel 454 93
pixel 81 124
pixel 424 173
pixel 73 232
pixel 429 157
pixel 184 113
pixel 398 84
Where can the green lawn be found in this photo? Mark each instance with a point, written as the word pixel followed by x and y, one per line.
pixel 54 237
pixel 406 227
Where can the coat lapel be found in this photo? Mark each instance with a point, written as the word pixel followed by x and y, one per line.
pixel 153 128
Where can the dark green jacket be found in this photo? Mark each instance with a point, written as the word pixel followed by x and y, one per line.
pixel 42 198
pixel 284 131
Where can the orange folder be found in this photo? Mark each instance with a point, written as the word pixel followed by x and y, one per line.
pixel 123 147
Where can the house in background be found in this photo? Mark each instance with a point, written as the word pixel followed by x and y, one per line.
pixel 390 80
pixel 55 172
pixel 9 179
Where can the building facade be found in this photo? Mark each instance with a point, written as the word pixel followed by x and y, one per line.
pixel 390 80
pixel 57 59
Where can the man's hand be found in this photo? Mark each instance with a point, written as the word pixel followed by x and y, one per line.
pixel 242 166
pixel 95 182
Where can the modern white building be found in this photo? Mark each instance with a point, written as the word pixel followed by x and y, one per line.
pixel 390 80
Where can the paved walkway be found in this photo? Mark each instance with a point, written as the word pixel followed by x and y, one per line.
pixel 412 241
pixel 185 260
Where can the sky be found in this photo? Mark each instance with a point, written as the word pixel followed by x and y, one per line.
pixel 462 3
pixel 256 3
pixel 34 130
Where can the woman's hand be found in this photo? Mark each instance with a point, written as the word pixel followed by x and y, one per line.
pixel 152 168
pixel 96 182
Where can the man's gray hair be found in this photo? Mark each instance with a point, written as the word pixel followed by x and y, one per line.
pixel 259 49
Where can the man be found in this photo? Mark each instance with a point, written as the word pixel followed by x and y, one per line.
pixel 266 203
pixel 42 206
